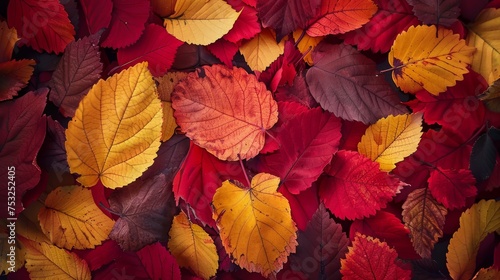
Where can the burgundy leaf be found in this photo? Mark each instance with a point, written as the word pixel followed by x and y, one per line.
pixel 443 12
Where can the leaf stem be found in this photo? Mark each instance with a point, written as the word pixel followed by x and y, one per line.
pixel 244 172
pixel 109 210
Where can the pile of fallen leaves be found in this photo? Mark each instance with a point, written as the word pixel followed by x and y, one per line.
pixel 250 139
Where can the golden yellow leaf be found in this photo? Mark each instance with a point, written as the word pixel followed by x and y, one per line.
pixel 192 247
pixel 116 130
pixel 71 219
pixel 489 273
pixel 491 96
pixel 201 22
pixel 166 85
pixel 8 40
pixel 391 139
pixel 475 224
pixel 28 224
pixel 44 261
pixel 422 60
pixel 262 50
pixel 255 224
pixel 483 34
pixel 306 44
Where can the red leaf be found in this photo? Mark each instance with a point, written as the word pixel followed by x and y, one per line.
pixel 127 23
pixel 156 46
pixel 297 92
pixel 78 70
pixel 440 13
pixel 200 175
pixel 321 246
pixel 126 266
pixel 388 228
pixel 303 153
pixel 452 187
pixel 302 205
pixel 14 75
pixel 344 82
pixel 351 134
pixel 101 255
pixel 97 14
pixel 355 187
pixel 43 23
pixel 246 25
pixel 285 16
pixel 22 129
pixel 368 258
pixel 159 263
pixel 224 51
pixel 392 18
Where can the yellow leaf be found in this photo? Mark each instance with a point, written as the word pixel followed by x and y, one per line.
pixel 71 219
pixel 487 274
pixel 28 224
pixel 10 249
pixel 262 50
pixel 44 261
pixel 475 224
pixel 166 85
pixel 255 224
pixel 422 60
pixel 491 96
pixel 483 34
pixel 192 247
pixel 391 139
pixel 116 130
pixel 201 22
pixel 306 44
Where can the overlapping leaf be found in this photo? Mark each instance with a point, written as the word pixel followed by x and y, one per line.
pixel 262 50
pixel 452 187
pixel 440 13
pixel 491 96
pixel 14 75
pixel 344 82
pixel 166 84
pixel 159 263
pixel 475 224
pixel 255 224
pixel 233 129
pixel 246 25
pixel 430 59
pixel 483 156
pixel 97 14
pixel 115 133
pixel 9 40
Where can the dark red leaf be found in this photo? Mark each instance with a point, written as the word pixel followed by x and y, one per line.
pixel 224 51
pixel 156 46
pixel 388 228
pixel 303 205
pixel 285 16
pixel 452 187
pixel 78 70
pixel 127 266
pixel 321 246
pixel 392 18
pixel 351 134
pixel 127 23
pixel 97 14
pixel 169 159
pixel 355 187
pixel 297 92
pixel 159 263
pixel 52 155
pixel 43 24
pixel 443 12
pixel 246 25
pixel 101 255
pixel 22 131
pixel 344 82
pixel 304 153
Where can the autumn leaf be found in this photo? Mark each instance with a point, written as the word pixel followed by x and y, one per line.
pixel 14 257
pixel 71 219
pixel 452 187
pixel 424 58
pixel 483 156
pixel 306 44
pixel 443 13
pixel 425 218
pixel 44 24
pixel 344 82
pixel 391 139
pixel 341 16
pixel 8 42
pixel 200 22
pixel 246 26
pixel 166 84
pixel 247 112
pixel 368 258
pixel 45 261
pixel 255 224
pixel 482 36
pixel 97 14
pixel 224 51
pixel 491 97
pixel 490 273
pixel 14 75
pixel 262 50
pixel 159 263
pixel 80 68
pixel 192 247
pixel 475 224
pixel 355 187
pixel 115 133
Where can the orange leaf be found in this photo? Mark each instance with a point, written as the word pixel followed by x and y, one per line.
pixel 8 39
pixel 226 111
pixel 192 247
pixel 115 133
pixel 490 273
pixel 14 75
pixel 166 86
pixel 255 224
pixel 475 224
pixel 425 218
pixel 262 50
pixel 71 219
pixel 341 16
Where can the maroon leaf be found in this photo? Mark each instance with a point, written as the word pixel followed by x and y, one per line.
pixel 159 263
pixel 452 187
pixel 156 46
pixel 344 82
pixel 297 92
pixel 443 12
pixel 127 266
pixel 302 205
pixel 52 156
pixel 285 16
pixel 303 154
pixel 22 133
pixel 79 68
pixel 169 159
pixel 97 14
pixel 321 246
